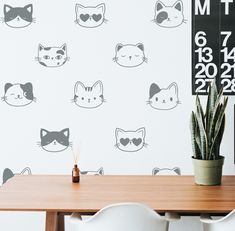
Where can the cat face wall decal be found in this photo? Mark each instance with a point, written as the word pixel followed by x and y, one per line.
pixel 90 16
pixel 8 174
pixel 56 141
pixel 169 16
pixel 52 56
pixel 100 172
pixel 130 55
pixel 130 141
pixel 18 17
pixel 166 171
pixel 88 97
pixel 163 98
pixel 18 95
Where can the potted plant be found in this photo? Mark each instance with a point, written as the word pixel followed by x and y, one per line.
pixel 207 132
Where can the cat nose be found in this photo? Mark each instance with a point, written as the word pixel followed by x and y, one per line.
pixel 54 143
pixel 130 57
pixel 130 142
pixel 89 100
pixel 52 58
pixel 18 18
pixel 163 101
pixel 18 96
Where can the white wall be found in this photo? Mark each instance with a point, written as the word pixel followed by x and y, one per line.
pixel 125 89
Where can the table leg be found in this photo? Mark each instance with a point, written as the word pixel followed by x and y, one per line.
pixel 60 222
pixel 51 221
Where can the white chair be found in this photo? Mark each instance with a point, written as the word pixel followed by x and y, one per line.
pixel 124 217
pixel 226 223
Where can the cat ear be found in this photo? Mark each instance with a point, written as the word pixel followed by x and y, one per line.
pixel 64 47
pixel 98 87
pixel 40 47
pixel 43 132
pixel 7 86
pixel 178 5
pixel 101 171
pixel 173 87
pixel 7 174
pixel 177 170
pixel 118 131
pixel 154 89
pixel 79 86
pixel 7 8
pixel 155 171
pixel 28 86
pixel 119 46
pixel 29 8
pixel 65 132
pixel 159 5
pixel 78 7
pixel 142 131
pixel 140 46
pixel 101 7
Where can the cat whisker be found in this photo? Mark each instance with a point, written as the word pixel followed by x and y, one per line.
pixel 35 99
pixel 145 60
pixel 67 58
pixel 2 19
pixel 4 98
pixel 106 20
pixel 72 100
pixel 37 58
pixel 154 20
pixel 70 144
pixel 76 21
pixel 116 145
pixel 148 102
pixel 115 59
pixel 146 145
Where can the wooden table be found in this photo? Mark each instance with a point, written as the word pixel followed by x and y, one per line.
pixel 56 195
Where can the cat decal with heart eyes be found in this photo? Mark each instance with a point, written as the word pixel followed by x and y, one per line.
pixel 90 16
pixel 169 16
pixel 130 141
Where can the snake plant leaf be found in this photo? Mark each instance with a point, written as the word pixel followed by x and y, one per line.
pixel 203 138
pixel 218 125
pixel 200 110
pixel 193 127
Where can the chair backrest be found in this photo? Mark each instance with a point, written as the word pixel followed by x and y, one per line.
pixel 124 217
pixel 166 171
pixel 226 223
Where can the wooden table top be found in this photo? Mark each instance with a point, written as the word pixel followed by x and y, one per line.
pixel 161 193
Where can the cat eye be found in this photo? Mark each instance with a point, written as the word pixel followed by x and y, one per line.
pixel 94 98
pixel 171 99
pixel 82 98
pixel 58 57
pixel 46 56
pixel 156 99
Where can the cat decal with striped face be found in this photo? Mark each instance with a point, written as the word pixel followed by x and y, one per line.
pixel 52 56
pixel 88 97
pixel 55 141
pixel 130 141
pixel 99 172
pixel 18 17
pixel 166 171
pixel 18 95
pixel 90 16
